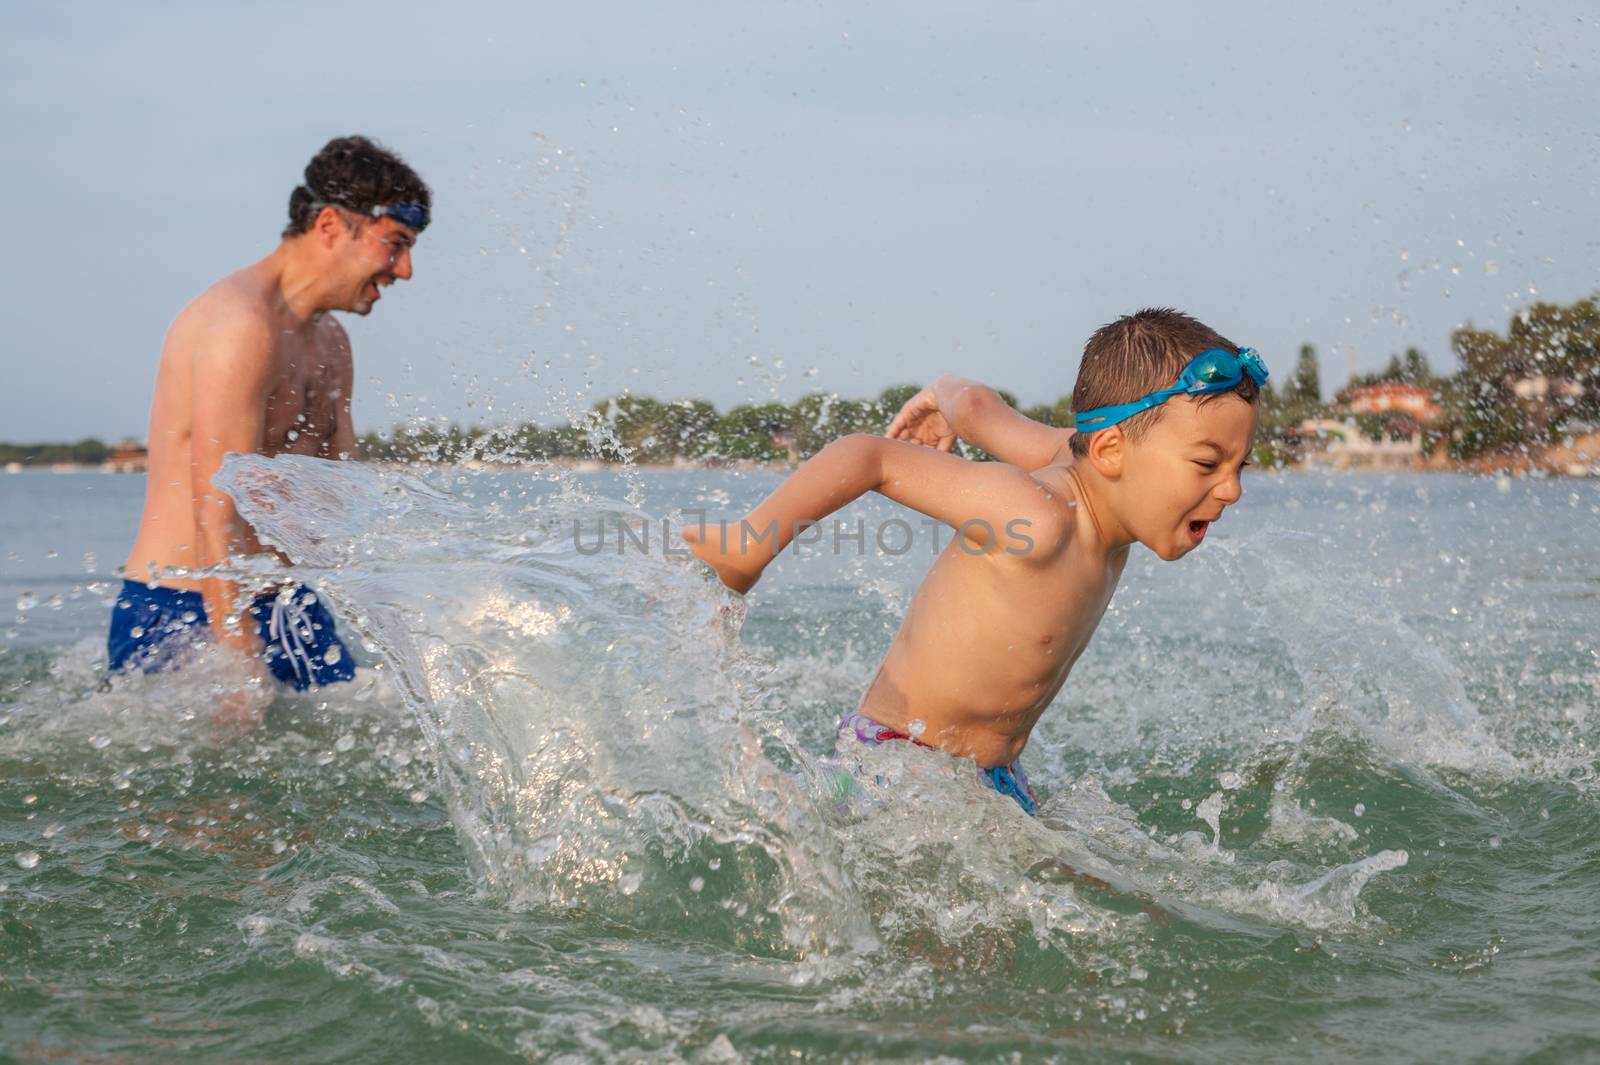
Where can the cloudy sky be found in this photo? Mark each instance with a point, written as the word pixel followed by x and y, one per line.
pixel 740 201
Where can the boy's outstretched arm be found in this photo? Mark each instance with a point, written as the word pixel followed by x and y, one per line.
pixel 996 507
pixel 954 407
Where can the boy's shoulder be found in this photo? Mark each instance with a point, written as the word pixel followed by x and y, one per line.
pixel 1050 516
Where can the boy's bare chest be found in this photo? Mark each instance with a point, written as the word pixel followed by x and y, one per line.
pixel 1064 614
pixel 1033 620
pixel 1049 616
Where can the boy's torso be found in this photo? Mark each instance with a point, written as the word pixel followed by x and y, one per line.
pixel 989 639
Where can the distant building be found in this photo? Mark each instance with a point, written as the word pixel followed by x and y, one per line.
pixel 1392 397
pixel 1541 387
pixel 130 456
pixel 1345 447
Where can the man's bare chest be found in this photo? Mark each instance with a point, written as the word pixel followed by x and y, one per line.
pixel 303 402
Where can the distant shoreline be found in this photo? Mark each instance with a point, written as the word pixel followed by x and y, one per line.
pixel 1582 460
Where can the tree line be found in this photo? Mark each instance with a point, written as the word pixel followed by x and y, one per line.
pixel 643 429
pixel 86 452
pixel 1525 388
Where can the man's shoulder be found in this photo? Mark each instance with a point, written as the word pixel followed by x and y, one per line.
pixel 226 327
pixel 332 335
pixel 230 306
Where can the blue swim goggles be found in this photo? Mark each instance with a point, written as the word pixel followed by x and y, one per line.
pixel 1213 370
pixel 412 215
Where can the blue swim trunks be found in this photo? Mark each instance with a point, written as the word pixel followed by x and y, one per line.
pixel 1008 780
pixel 153 627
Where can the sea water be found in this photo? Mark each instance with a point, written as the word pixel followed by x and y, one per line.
pixel 1325 789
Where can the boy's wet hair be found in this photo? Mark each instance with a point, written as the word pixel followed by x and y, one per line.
pixel 356 173
pixel 1138 354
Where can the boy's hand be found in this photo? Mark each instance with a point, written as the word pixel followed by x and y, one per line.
pixel 954 407
pixel 733 568
pixel 921 421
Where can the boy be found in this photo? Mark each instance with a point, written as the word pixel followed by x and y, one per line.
pixel 1166 412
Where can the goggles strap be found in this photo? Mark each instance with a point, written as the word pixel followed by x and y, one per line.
pixel 1105 417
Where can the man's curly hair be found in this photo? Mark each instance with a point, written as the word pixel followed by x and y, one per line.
pixel 357 173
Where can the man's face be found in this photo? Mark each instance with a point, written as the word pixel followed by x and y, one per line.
pixel 373 259
pixel 1179 478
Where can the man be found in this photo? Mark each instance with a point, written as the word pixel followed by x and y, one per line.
pixel 257 364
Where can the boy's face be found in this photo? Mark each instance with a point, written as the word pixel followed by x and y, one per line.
pixel 1179 478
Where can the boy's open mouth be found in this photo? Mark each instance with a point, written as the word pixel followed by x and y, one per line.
pixel 1197 530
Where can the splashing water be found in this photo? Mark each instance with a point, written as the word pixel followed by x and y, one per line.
pixel 596 726
pixel 584 708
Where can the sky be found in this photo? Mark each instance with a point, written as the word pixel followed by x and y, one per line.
pixel 750 201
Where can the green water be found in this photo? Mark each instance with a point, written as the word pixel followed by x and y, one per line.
pixel 1383 691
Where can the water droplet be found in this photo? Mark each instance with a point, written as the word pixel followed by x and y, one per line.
pixel 136 632
pixel 697 885
pixel 629 884
pixel 332 654
pixel 99 743
pixel 1230 781
pixel 344 743
pixel 28 859
pixel 29 800
pixel 1361 809
pixel 27 601
pixel 418 796
pixel 916 728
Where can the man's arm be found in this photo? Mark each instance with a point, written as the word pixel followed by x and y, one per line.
pixel 231 377
pixel 955 407
pixel 996 507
